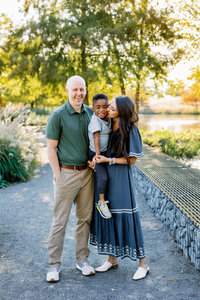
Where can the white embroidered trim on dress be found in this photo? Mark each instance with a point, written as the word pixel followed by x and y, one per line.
pixel 136 154
pixel 123 211
pixel 116 251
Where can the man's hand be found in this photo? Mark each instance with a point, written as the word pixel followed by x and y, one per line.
pixel 53 158
pixel 91 164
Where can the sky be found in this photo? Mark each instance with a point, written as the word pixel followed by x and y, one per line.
pixel 11 9
pixel 181 72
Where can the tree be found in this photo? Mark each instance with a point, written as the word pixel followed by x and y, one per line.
pixel 187 12
pixel 154 46
pixel 114 42
pixel 175 88
pixel 192 96
pixel 113 22
pixel 139 41
pixel 5 26
pixel 65 35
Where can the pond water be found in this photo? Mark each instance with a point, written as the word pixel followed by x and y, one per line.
pixel 171 122
pixel 174 123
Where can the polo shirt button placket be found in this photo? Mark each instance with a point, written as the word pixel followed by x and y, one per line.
pixel 80 119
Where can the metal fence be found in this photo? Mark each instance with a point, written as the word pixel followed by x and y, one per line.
pixel 180 183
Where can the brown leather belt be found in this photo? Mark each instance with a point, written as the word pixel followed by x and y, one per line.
pixel 77 168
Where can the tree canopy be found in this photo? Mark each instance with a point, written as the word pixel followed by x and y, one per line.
pixel 114 45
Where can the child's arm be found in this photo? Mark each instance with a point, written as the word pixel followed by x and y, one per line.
pixel 97 142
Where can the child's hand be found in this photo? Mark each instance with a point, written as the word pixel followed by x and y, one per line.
pixel 101 159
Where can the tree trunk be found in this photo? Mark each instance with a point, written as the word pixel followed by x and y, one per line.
pixel 1 101
pixel 137 97
pixel 123 91
pixel 84 67
pixel 120 74
pixel 86 100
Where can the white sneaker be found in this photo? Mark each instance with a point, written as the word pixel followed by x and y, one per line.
pixel 103 209
pixel 85 268
pixel 53 274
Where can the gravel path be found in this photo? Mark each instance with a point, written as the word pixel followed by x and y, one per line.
pixel 25 220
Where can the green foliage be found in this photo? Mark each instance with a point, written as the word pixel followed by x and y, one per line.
pixel 175 88
pixel 117 42
pixel 40 111
pixel 12 165
pixel 185 143
pixel 192 96
pixel 177 148
pixel 18 151
pixel 3 183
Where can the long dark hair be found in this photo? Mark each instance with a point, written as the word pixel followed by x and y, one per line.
pixel 127 117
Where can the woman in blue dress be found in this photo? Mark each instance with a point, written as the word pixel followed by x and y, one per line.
pixel 121 235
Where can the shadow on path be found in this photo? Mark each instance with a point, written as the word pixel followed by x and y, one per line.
pixel 25 220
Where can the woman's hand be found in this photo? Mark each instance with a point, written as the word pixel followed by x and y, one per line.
pixel 101 159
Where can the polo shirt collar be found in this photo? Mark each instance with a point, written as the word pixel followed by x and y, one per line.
pixel 71 110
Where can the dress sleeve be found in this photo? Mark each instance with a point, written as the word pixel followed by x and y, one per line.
pixel 135 142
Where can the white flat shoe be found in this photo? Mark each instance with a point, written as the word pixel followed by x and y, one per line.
pixel 106 266
pixel 141 273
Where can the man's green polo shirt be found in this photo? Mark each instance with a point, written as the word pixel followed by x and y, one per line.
pixel 70 129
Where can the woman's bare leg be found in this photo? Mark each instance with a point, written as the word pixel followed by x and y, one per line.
pixel 143 263
pixel 112 259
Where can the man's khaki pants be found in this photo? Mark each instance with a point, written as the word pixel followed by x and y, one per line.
pixel 72 187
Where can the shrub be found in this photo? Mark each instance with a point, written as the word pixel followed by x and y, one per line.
pixel 3 183
pixel 18 150
pixel 185 143
pixel 9 113
pixel 40 111
pixel 177 148
pixel 26 116
pixel 12 165
pixel 33 119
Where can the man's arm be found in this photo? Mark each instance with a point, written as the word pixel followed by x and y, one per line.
pixel 53 157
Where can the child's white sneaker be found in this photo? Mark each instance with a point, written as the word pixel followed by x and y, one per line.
pixel 104 210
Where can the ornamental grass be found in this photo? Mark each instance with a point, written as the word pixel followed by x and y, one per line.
pixel 18 148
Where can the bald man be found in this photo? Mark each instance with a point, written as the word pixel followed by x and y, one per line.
pixel 67 148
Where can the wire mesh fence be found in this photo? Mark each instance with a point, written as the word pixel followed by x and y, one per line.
pixel 180 183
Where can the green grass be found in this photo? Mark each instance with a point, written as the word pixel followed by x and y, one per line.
pixel 185 143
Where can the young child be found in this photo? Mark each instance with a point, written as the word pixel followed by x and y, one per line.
pixel 99 129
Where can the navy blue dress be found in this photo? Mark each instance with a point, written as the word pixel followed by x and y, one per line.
pixel 121 235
